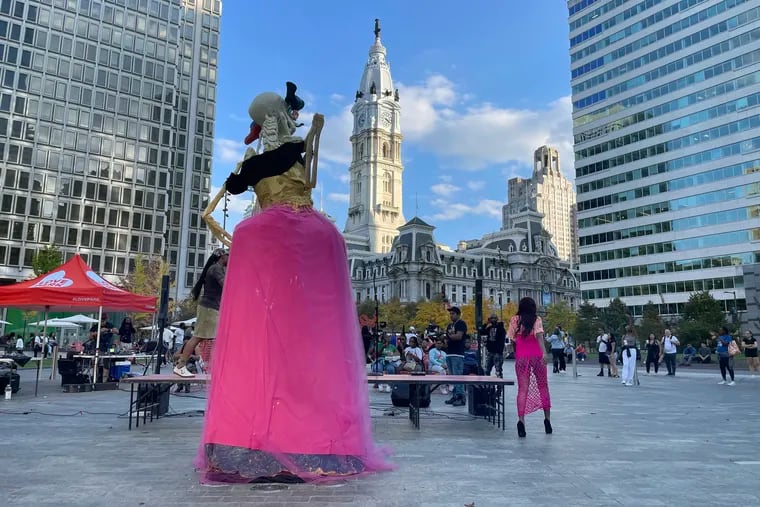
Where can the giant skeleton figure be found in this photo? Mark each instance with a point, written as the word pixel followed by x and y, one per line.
pixel 266 417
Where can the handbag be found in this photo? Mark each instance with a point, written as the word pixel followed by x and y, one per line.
pixel 733 348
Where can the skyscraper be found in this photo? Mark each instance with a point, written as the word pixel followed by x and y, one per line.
pixel 106 131
pixel 375 204
pixel 667 152
pixel 548 192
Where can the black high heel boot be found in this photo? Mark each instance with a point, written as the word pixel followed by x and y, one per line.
pixel 547 426
pixel 521 429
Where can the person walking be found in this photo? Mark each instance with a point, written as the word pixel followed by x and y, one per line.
pixel 495 341
pixel 653 353
pixel 558 350
pixel 630 356
pixel 527 331
pixel 725 358
pixel 208 292
pixel 669 349
pixel 603 342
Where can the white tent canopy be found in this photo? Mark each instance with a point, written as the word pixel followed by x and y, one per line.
pixel 78 319
pixel 55 323
pixel 188 322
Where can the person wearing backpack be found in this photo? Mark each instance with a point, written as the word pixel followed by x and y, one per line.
pixel 669 349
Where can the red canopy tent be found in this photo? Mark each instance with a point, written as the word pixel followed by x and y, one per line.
pixel 74 287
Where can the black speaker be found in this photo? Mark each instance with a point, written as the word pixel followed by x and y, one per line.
pixel 478 303
pixel 154 396
pixel 477 402
pixel 400 395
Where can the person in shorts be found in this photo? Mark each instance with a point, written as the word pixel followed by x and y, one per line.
pixel 208 292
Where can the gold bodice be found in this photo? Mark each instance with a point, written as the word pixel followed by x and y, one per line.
pixel 290 188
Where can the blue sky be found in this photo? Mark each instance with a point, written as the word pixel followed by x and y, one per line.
pixel 482 85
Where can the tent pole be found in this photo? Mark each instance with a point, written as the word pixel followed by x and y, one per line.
pixel 97 348
pixel 39 364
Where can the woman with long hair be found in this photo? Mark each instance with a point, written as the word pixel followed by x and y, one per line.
pixel 126 331
pixel 527 332
pixel 208 292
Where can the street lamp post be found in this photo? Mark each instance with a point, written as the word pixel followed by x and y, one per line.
pixel 501 290
pixel 736 308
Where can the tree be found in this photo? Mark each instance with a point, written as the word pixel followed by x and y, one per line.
pixel 651 323
pixel 430 311
pixel 560 314
pixel 468 313
pixel 366 308
pixel 587 322
pixel 46 260
pixel 185 309
pixel 615 317
pixel 394 314
pixel 701 314
pixel 145 279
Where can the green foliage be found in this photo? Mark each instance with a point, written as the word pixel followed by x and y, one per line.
pixel 615 317
pixel 431 311
pixel 46 260
pixel 651 323
pixel 185 309
pixel 366 308
pixel 586 323
pixel 560 314
pixel 395 315
pixel 145 279
pixel 701 314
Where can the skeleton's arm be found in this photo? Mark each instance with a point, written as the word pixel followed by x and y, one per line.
pixel 311 144
pixel 215 227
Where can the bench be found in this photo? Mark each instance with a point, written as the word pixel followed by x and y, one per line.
pixel 494 392
pixel 148 402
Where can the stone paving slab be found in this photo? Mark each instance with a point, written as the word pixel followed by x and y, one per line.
pixel 672 441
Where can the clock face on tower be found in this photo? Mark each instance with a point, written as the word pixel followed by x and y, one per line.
pixel 360 119
pixel 386 119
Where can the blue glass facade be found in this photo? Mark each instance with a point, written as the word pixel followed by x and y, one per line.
pixel 666 124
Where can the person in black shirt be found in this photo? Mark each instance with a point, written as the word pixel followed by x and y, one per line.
pixel 456 332
pixel 495 340
pixel 749 343
pixel 653 353
pixel 126 331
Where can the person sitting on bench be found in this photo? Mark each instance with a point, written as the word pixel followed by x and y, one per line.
pixel 704 354
pixel 688 354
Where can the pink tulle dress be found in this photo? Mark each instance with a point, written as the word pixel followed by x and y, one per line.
pixel 288 400
pixel 530 368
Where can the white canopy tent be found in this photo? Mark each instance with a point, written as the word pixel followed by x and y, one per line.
pixel 56 323
pixel 79 319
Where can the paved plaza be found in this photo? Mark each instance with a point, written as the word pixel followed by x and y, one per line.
pixel 671 441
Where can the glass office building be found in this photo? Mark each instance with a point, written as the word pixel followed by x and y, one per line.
pixel 667 148
pixel 106 132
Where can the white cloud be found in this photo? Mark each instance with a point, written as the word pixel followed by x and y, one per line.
pixel 337 197
pixel 344 178
pixel 444 189
pixel 476 185
pixel 236 204
pixel 474 136
pixel 337 98
pixel 228 150
pixel 239 119
pixel 452 211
